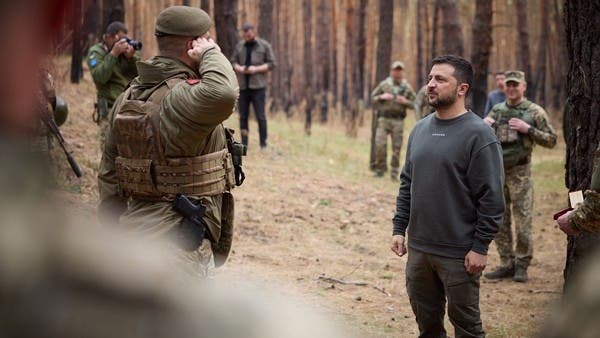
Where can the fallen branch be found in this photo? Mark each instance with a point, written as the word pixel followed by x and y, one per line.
pixel 382 290
pixel 545 291
pixel 341 281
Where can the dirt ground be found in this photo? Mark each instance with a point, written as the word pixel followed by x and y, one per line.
pixel 298 224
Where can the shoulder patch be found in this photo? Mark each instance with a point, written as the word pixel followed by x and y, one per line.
pixel 192 82
pixel 92 62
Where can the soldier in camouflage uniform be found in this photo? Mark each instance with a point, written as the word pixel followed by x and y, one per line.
pixel 112 65
pixel 391 98
pixel 519 124
pixel 586 217
pixel 422 107
pixel 166 138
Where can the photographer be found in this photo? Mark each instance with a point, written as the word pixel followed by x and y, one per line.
pixel 112 65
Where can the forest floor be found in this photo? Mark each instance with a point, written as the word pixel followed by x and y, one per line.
pixel 310 210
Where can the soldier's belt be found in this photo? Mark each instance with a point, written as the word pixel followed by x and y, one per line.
pixel 392 115
pixel 151 180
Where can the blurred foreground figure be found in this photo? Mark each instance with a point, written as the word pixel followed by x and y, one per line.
pixel 167 168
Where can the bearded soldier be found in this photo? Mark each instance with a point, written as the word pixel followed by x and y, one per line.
pixel 166 169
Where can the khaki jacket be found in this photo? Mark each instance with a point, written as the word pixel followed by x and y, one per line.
pixel 190 125
pixel 262 53
pixel 110 74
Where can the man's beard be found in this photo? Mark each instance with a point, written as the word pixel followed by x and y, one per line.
pixel 444 101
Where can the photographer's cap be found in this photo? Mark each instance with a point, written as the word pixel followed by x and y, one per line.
pixel 182 21
pixel 397 65
pixel 514 76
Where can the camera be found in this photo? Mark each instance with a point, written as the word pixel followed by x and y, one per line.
pixel 137 45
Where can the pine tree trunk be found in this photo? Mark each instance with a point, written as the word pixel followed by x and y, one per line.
pixel 307 65
pixel 523 56
pixel 480 56
pixel 582 31
pixel 541 65
pixel 265 20
pixel 421 6
pixel 226 25
pixel 112 10
pixel 384 39
pixel 205 5
pixel 76 51
pixel 452 40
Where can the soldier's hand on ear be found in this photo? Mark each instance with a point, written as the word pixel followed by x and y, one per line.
pixel 200 46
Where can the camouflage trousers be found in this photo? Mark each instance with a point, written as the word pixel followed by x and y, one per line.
pixel 103 124
pixel 198 263
pixel 395 128
pixel 518 195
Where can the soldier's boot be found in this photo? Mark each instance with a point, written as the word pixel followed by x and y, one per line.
pixel 520 275
pixel 501 272
pixel 378 173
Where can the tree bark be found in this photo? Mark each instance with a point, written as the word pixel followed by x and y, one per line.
pixel 583 87
pixel 205 5
pixel 421 6
pixel 480 56
pixel 112 10
pixel 541 65
pixel 307 65
pixel 226 25
pixel 384 39
pixel 524 56
pixel 452 40
pixel 265 20
pixel 323 59
pixel 559 71
pixel 76 51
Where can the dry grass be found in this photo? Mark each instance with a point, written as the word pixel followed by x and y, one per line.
pixel 310 207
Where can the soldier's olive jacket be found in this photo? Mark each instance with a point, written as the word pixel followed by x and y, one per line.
pixel 587 216
pixel 110 74
pixel 543 133
pixel 190 125
pixel 262 53
pixel 401 88
pixel 422 107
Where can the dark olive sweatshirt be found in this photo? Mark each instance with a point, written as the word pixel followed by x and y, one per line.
pixel 451 187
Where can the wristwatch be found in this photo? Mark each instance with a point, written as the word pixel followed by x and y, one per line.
pixel 531 130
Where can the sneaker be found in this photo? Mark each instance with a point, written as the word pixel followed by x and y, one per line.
pixel 501 272
pixel 520 275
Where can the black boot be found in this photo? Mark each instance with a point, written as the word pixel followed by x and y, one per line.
pixel 501 272
pixel 520 274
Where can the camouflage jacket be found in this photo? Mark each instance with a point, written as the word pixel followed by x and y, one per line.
pixel 111 74
pixel 190 125
pixel 587 216
pixel 422 107
pixel 389 86
pixel 543 133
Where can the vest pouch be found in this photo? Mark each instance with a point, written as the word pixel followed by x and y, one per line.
pixel 506 135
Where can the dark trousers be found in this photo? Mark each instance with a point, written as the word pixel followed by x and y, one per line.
pixel 430 280
pixel 257 98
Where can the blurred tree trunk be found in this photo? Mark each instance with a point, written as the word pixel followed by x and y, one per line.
pixel 205 5
pixel 275 77
pixel 541 65
pixel 523 54
pixel 434 30
pixel 76 50
pixel 265 20
pixel 361 45
pixel 308 65
pixel 559 71
pixel 583 87
pixel 480 55
pixel 185 2
pixel 384 39
pixel 226 25
pixel 323 58
pixel 452 40
pixel 333 78
pixel 112 10
pixel 421 8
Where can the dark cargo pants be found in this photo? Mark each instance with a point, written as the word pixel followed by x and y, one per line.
pixel 257 98
pixel 430 280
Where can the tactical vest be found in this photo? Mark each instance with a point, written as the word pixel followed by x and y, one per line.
pixel 143 172
pixel 516 147
pixel 389 108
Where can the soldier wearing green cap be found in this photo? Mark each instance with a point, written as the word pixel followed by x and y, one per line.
pixel 519 125
pixel 391 98
pixel 166 169
pixel 112 65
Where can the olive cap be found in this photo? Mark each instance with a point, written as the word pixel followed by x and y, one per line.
pixel 514 76
pixel 182 21
pixel 397 65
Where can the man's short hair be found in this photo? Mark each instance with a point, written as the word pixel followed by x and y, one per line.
pixel 116 27
pixel 171 45
pixel 463 71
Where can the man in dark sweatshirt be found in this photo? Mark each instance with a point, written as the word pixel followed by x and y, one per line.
pixel 450 203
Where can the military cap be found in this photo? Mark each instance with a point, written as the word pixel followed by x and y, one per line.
pixel 247 26
pixel 514 76
pixel 397 64
pixel 182 21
